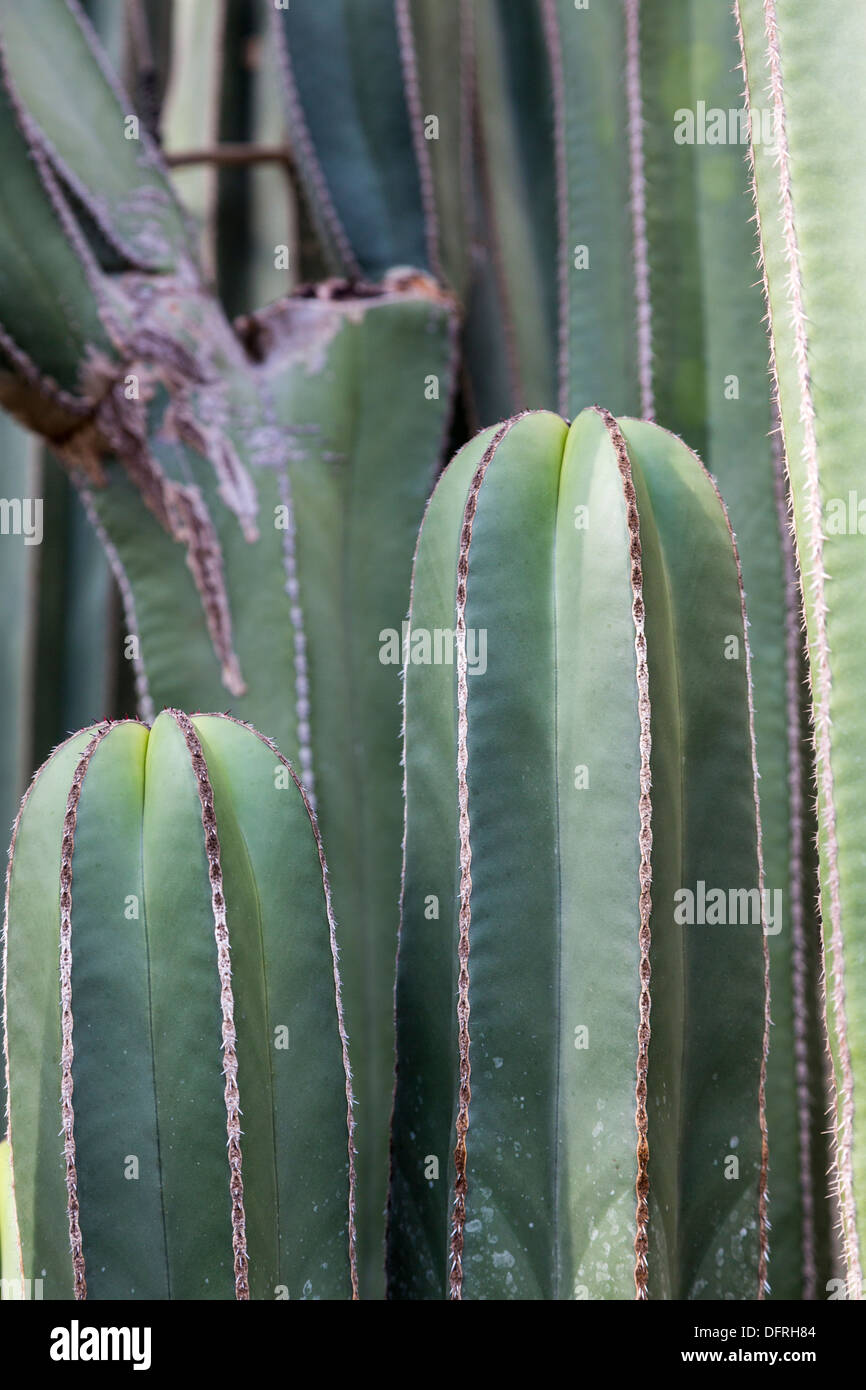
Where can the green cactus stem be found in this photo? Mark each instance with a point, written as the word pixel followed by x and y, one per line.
pixel 807 104
pixel 175 876
pixel 386 186
pixel 258 486
pixel 589 1048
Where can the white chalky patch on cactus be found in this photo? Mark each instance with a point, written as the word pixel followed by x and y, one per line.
pixel 607 1277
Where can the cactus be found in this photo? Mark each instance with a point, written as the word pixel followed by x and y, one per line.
pixel 383 190
pixel 519 227
pixel 662 311
pixel 191 111
pixel 309 602
pixel 18 624
pixel 794 59
pixel 516 194
pixel 238 475
pixel 710 385
pixel 59 648
pixel 176 874
pixel 596 1067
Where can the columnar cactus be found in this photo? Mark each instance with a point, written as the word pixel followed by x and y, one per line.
pixel 658 308
pixel 807 104
pixel 174 876
pixel 236 474
pixel 378 105
pixel 582 978
pixel 710 385
pixel 619 267
pixel 524 206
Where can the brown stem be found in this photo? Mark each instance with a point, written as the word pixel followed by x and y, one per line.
pixel 231 154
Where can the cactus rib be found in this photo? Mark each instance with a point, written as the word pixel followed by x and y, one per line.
pixel 131 201
pixel 338 989
pixel 409 60
pixel 638 210
pixel 68 1048
pixel 819 404
pixel 331 228
pixel 800 973
pixel 645 837
pixel 595 81
pixel 227 1002
pixel 819 643
pixel 465 913
pixel 144 703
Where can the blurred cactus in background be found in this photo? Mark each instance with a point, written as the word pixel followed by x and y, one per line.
pixel 264 268
pixel 816 301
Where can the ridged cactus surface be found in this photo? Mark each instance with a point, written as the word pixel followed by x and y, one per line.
pixel 378 106
pixel 582 992
pixel 710 385
pixel 807 104
pixel 524 207
pixel 258 485
pixel 173 1013
pixel 352 439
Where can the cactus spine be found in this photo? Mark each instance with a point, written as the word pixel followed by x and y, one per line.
pixel 600 1079
pixel 176 874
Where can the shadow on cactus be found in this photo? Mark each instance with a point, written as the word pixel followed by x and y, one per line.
pixel 175 876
